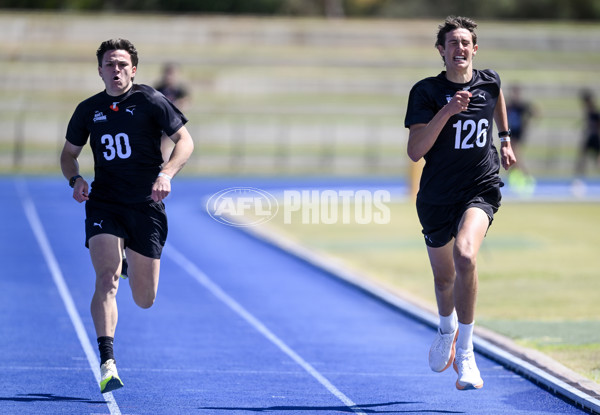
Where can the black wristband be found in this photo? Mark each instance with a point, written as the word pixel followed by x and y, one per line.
pixel 504 134
pixel 73 179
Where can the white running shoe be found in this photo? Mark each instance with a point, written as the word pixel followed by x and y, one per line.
pixel 441 354
pixel 109 378
pixel 468 374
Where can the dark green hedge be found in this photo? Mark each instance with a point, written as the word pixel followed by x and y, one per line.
pixel 492 9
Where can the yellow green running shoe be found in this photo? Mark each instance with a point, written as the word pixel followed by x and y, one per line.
pixel 124 268
pixel 109 378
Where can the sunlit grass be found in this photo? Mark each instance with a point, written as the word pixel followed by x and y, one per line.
pixel 538 271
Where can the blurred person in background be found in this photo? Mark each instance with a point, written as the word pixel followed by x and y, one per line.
pixel 519 113
pixel 124 209
pixel 590 145
pixel 450 118
pixel 175 91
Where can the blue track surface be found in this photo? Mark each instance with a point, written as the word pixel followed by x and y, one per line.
pixel 239 327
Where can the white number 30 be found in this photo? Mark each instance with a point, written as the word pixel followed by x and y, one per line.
pixel 116 146
pixel 470 128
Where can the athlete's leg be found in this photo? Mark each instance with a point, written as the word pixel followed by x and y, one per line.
pixel 442 351
pixel 471 232
pixel 105 251
pixel 143 278
pixel 444 275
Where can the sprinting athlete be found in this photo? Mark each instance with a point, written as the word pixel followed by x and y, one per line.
pixel 450 118
pixel 124 209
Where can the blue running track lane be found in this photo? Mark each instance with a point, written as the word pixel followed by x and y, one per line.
pixel 239 326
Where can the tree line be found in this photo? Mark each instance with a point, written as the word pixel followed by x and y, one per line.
pixel 499 9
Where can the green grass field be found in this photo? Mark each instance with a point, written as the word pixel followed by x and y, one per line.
pixel 538 271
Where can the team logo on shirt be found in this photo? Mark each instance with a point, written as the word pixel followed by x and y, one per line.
pixel 448 98
pixel 99 116
pixel 114 106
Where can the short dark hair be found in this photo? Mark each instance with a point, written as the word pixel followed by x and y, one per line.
pixel 117 44
pixel 453 23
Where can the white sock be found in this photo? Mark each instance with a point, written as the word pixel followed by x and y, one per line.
pixel 448 323
pixel 465 336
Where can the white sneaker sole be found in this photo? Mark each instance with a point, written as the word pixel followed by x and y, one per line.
pixel 452 355
pixel 463 386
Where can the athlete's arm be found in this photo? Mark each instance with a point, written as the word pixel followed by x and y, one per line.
pixel 422 137
pixel 70 168
pixel 184 145
pixel 507 156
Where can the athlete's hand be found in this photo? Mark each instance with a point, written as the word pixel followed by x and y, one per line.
pixel 459 102
pixel 507 156
pixel 80 190
pixel 161 188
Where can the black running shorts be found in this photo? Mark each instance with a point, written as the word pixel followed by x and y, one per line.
pixel 143 226
pixel 440 222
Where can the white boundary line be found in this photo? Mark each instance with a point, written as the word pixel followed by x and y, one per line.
pixel 207 283
pixel 59 281
pixel 483 346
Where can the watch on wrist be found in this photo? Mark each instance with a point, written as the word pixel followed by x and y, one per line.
pixel 502 134
pixel 73 179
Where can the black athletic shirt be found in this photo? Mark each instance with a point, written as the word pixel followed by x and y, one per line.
pixel 124 135
pixel 463 161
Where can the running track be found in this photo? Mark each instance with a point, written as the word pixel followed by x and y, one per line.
pixel 239 326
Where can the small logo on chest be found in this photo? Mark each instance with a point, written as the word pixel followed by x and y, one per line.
pixel 99 117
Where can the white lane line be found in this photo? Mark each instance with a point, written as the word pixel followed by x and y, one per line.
pixel 59 281
pixel 205 281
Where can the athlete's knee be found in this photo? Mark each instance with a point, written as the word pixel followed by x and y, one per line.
pixel 144 299
pixel 144 283
pixel 145 302
pixel 465 259
pixel 444 282
pixel 107 283
pixel 443 278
